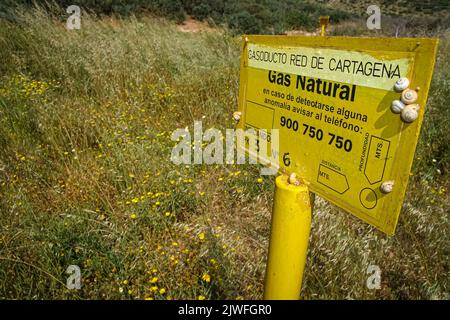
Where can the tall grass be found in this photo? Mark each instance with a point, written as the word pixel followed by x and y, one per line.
pixel 85 176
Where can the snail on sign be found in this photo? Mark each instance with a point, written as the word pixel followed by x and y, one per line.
pixel 410 113
pixel 401 84
pixel 409 96
pixel 397 106
pixel 387 186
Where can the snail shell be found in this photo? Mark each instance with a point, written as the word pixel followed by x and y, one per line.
pixel 401 84
pixel 387 186
pixel 410 113
pixel 409 96
pixel 293 179
pixel 397 106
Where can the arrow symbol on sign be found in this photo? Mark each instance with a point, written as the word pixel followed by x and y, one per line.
pixel 332 179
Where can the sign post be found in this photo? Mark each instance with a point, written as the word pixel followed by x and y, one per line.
pixel 348 113
pixel 324 21
pixel 289 236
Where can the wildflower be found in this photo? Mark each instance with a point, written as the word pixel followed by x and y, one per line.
pixel 206 277
pixel 125 282
pixel 154 280
pixel 133 216
pixel 162 291
pixel 201 236
pixel 201 297
pixel 167 214
pixel 154 288
pixel 260 180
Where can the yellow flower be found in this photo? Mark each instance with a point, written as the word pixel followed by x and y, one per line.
pixel 133 216
pixel 167 214
pixel 201 236
pixel 201 297
pixel 154 279
pixel 162 291
pixel 260 180
pixel 154 288
pixel 125 282
pixel 206 277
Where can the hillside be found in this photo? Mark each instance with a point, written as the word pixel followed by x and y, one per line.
pixel 394 8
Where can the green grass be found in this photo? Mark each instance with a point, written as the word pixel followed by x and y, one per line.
pixel 85 176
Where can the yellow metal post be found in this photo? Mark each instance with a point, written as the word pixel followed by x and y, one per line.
pixel 324 21
pixel 291 224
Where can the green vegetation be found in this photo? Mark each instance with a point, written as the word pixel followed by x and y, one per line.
pixel 85 177
pixel 241 16
pixel 394 8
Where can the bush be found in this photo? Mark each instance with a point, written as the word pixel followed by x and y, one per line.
pixel 202 11
pixel 244 22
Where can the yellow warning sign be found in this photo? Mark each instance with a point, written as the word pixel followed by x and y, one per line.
pixel 332 101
